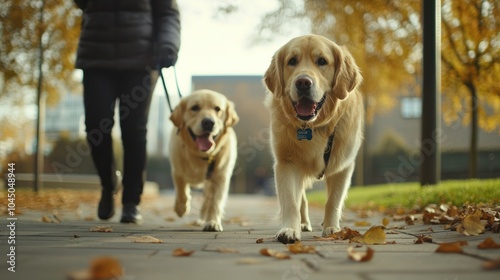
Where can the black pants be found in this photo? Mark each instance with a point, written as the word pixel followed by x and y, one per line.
pixel 102 89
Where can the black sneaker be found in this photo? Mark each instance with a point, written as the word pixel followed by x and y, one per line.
pixel 106 208
pixel 131 214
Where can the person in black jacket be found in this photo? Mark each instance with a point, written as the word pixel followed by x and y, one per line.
pixel 121 43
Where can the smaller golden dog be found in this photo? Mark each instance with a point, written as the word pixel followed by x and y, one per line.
pixel 203 151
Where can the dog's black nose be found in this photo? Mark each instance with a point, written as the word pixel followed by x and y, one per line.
pixel 207 124
pixel 303 84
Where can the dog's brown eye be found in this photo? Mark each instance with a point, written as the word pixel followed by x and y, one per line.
pixel 195 108
pixel 292 61
pixel 217 108
pixel 322 62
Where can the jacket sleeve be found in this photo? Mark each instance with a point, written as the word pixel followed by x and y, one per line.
pixel 166 25
pixel 81 4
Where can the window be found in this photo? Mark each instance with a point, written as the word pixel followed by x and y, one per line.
pixel 411 107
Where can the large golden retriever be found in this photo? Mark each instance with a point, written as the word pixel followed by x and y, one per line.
pixel 317 119
pixel 203 153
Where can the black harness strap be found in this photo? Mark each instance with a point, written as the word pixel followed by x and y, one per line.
pixel 211 166
pixel 327 153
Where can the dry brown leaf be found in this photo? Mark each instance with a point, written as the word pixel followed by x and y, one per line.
pixel 360 256
pixel 345 234
pixel 488 243
pixel 453 247
pixel 491 264
pixel 170 219
pixel 299 248
pixel 145 239
pixel 249 261
pixel 423 238
pixel 105 268
pixel 275 254
pixel 385 221
pixel 260 240
pixel 375 235
pixel 46 219
pixel 180 252
pixel 471 224
pixel 101 229
pixel 410 220
pixel 362 223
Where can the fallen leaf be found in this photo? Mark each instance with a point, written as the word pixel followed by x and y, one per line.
pixel 488 243
pixel 491 264
pixel 249 261
pixel 101 229
pixel 362 224
pixel 360 256
pixel 145 239
pixel 260 240
pixel 453 247
pixel 46 219
pixel 423 238
pixel 170 219
pixel 345 234
pixel 410 220
pixel 105 268
pixel 471 224
pixel 385 221
pixel 275 254
pixel 375 235
pixel 180 252
pixel 299 248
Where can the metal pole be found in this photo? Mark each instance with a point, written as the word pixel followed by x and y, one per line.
pixel 430 169
pixel 40 126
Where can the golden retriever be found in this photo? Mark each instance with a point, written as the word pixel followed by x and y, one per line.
pixel 203 151
pixel 317 117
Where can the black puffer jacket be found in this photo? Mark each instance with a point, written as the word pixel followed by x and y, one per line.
pixel 127 34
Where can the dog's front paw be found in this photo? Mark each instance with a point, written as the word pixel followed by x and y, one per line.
pixel 306 227
pixel 181 208
pixel 212 226
pixel 330 230
pixel 288 235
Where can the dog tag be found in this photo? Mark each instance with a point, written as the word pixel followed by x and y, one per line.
pixel 304 134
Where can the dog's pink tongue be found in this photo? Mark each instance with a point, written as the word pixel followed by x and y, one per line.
pixel 305 107
pixel 204 143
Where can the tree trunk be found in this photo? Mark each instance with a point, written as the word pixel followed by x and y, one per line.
pixel 473 149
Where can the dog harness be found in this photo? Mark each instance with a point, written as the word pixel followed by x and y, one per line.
pixel 211 166
pixel 327 153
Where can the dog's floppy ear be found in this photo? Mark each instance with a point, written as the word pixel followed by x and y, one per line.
pixel 347 75
pixel 231 116
pixel 273 78
pixel 177 115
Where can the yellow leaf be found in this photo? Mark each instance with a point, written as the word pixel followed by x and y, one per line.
pixel 472 225
pixel 299 248
pixel 375 235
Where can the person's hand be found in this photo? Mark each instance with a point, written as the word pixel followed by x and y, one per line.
pixel 166 58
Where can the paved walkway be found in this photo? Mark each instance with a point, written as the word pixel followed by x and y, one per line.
pixel 52 250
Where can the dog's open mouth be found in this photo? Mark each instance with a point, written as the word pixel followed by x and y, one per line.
pixel 307 109
pixel 204 141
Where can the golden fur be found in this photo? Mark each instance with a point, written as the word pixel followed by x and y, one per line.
pixel 190 163
pixel 333 77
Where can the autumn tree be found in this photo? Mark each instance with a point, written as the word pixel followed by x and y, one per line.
pixel 471 67
pixel 385 38
pixel 22 31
